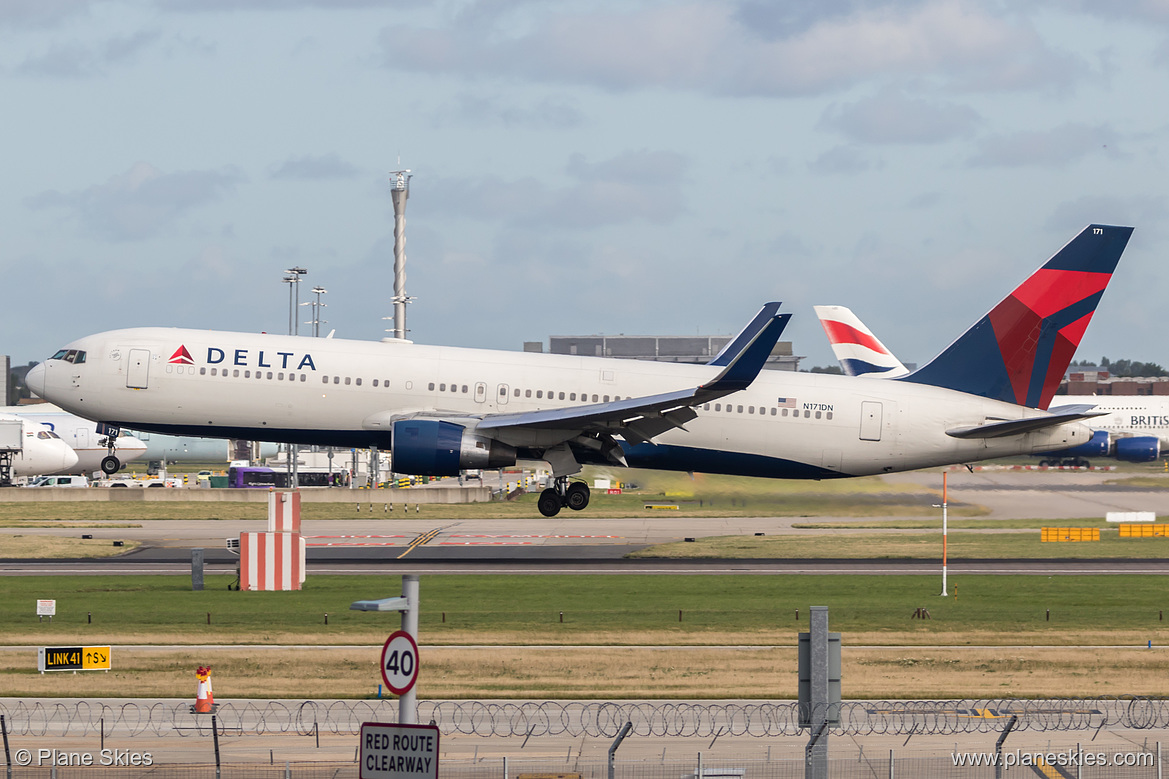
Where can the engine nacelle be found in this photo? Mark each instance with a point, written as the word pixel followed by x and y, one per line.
pixel 1139 449
pixel 425 447
pixel 1097 446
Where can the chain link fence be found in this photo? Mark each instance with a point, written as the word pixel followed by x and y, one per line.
pixel 1141 765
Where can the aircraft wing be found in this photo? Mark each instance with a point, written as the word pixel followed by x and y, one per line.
pixel 1057 416
pixel 640 419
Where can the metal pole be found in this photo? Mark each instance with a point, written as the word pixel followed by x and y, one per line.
pixel 408 702
pixel 945 526
pixel 998 746
pixel 8 755
pixel 890 764
pixel 215 736
pixel 628 726
pixel 816 765
pixel 814 757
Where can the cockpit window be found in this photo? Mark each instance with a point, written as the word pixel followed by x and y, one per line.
pixel 44 435
pixel 75 356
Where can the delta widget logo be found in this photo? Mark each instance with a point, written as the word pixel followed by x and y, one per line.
pixel 181 357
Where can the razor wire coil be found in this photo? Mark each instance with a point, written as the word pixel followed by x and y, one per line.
pixel 599 719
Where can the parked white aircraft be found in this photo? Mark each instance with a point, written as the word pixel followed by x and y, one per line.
pixel 1131 428
pixel 42 451
pixel 80 435
pixel 442 409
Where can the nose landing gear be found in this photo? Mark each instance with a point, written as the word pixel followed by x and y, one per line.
pixel 110 463
pixel 575 496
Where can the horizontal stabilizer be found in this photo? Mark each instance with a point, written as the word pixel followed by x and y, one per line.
pixel 1028 425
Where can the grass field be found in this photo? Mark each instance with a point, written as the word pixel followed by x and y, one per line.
pixel 1011 544
pixel 626 609
pixel 697 496
pixel 517 618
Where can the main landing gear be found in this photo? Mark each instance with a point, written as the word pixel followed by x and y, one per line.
pixel 110 463
pixel 575 496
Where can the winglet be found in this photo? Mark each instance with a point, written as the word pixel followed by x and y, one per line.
pixel 740 342
pixel 743 365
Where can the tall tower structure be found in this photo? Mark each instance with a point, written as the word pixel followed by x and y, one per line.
pixel 400 192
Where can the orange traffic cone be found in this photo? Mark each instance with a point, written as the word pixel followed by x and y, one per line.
pixel 203 697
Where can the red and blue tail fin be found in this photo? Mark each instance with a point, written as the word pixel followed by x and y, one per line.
pixel 1019 352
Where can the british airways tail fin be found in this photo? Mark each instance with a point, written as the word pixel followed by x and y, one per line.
pixel 859 352
pixel 1019 352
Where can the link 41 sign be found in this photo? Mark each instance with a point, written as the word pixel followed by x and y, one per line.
pixel 394 751
pixel 400 662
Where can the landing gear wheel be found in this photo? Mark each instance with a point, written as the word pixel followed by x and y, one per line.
pixel 549 502
pixel 110 465
pixel 577 496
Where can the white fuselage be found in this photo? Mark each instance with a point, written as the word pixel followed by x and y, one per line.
pixel 42 452
pixel 345 393
pixel 1128 415
pixel 79 434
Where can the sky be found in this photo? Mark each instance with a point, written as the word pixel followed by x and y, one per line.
pixel 635 167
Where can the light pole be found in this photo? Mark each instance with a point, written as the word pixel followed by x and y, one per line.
pixel 316 305
pixel 292 278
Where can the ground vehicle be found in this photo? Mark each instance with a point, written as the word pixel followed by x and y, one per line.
pixel 256 477
pixel 59 481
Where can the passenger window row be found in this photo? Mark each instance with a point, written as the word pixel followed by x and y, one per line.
pixel 764 411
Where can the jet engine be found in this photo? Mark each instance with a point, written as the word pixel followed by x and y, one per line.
pixel 427 447
pixel 1096 446
pixel 1138 449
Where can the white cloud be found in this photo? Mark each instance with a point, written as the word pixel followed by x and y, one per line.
pixel 637 185
pixel 311 167
pixel 555 112
pixel 707 46
pixel 139 202
pixel 892 117
pixel 1051 148
pixel 41 13
pixel 842 159
pixel 78 60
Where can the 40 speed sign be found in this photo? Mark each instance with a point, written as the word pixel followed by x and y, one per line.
pixel 400 662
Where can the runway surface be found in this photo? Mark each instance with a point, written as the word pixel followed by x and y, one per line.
pixel 588 543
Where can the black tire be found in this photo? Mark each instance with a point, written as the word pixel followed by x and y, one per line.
pixel 578 496
pixel 549 503
pixel 110 465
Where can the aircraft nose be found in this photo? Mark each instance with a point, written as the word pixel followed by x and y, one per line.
pixel 35 380
pixel 68 457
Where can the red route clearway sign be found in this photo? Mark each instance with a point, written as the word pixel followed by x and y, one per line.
pixel 394 751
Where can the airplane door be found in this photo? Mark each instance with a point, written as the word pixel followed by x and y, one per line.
pixel 81 437
pixel 503 390
pixel 480 392
pixel 137 368
pixel 870 420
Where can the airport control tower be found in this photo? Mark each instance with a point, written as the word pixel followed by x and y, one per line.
pixel 400 193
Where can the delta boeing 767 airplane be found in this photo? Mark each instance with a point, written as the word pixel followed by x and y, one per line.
pixel 442 409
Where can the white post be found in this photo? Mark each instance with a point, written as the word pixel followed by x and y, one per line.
pixel 408 702
pixel 945 528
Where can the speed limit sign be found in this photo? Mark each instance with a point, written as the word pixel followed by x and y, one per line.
pixel 400 662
